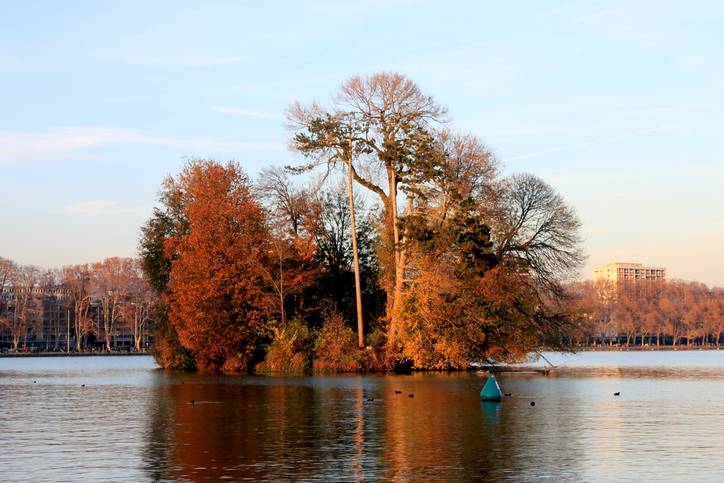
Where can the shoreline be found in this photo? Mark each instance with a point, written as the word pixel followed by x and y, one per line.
pixel 72 354
pixel 638 349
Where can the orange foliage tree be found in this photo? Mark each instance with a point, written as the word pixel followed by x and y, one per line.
pixel 642 312
pixel 216 298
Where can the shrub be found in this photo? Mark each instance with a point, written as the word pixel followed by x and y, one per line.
pixel 168 351
pixel 290 349
pixel 335 347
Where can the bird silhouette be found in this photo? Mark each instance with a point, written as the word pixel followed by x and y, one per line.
pixel 410 395
pixel 398 392
pixel 532 403
pixel 82 385
pixel 617 393
pixel 370 399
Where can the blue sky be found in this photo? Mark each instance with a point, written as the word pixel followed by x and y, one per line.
pixel 617 104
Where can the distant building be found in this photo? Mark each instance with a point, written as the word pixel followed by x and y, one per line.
pixel 617 272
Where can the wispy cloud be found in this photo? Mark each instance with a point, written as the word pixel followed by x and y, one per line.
pixel 90 207
pixel 74 142
pixel 194 61
pixel 587 143
pixel 247 112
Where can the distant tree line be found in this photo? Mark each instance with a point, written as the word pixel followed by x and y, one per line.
pixel 78 307
pixel 647 313
pixel 448 262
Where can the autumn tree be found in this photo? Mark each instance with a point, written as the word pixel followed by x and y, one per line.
pixel 335 289
pixel 653 312
pixel 712 317
pixel 289 214
pixel 217 246
pixel 330 140
pixel 446 315
pixel 374 129
pixel 168 221
pixel 464 299
pixel 386 136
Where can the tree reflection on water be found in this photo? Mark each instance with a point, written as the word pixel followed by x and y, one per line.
pixel 351 428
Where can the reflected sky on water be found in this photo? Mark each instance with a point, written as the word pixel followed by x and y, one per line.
pixel 132 422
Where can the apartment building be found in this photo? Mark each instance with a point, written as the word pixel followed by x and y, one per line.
pixel 618 271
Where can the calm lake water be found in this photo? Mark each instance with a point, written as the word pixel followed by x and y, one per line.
pixel 132 422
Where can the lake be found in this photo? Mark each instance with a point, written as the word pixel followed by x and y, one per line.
pixel 132 422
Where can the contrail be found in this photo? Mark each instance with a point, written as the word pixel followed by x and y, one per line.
pixel 587 143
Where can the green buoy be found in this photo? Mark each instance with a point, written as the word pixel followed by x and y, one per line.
pixel 491 390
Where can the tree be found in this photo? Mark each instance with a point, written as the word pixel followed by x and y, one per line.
pixel 23 311
pixel 136 310
pixel 332 142
pixel 288 214
pixel 447 319
pixel 538 230
pixel 376 129
pixel 712 317
pixel 76 280
pixel 8 276
pixel 215 294
pixel 110 279
pixel 288 205
pixel 335 288
pixel 8 270
pixel 167 222
pixel 669 310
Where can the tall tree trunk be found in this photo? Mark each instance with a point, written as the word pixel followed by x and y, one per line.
pixel 136 328
pixel 282 314
pixel 399 271
pixel 112 324
pixel 77 328
pixel 107 324
pixel 355 255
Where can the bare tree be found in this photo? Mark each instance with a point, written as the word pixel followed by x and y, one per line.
pixel 287 203
pixel 8 270
pixel 48 289
pixel 537 229
pixel 110 285
pixel 77 282
pixel 468 170
pixel 24 307
pixel 8 275
pixel 137 308
pixel 289 214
